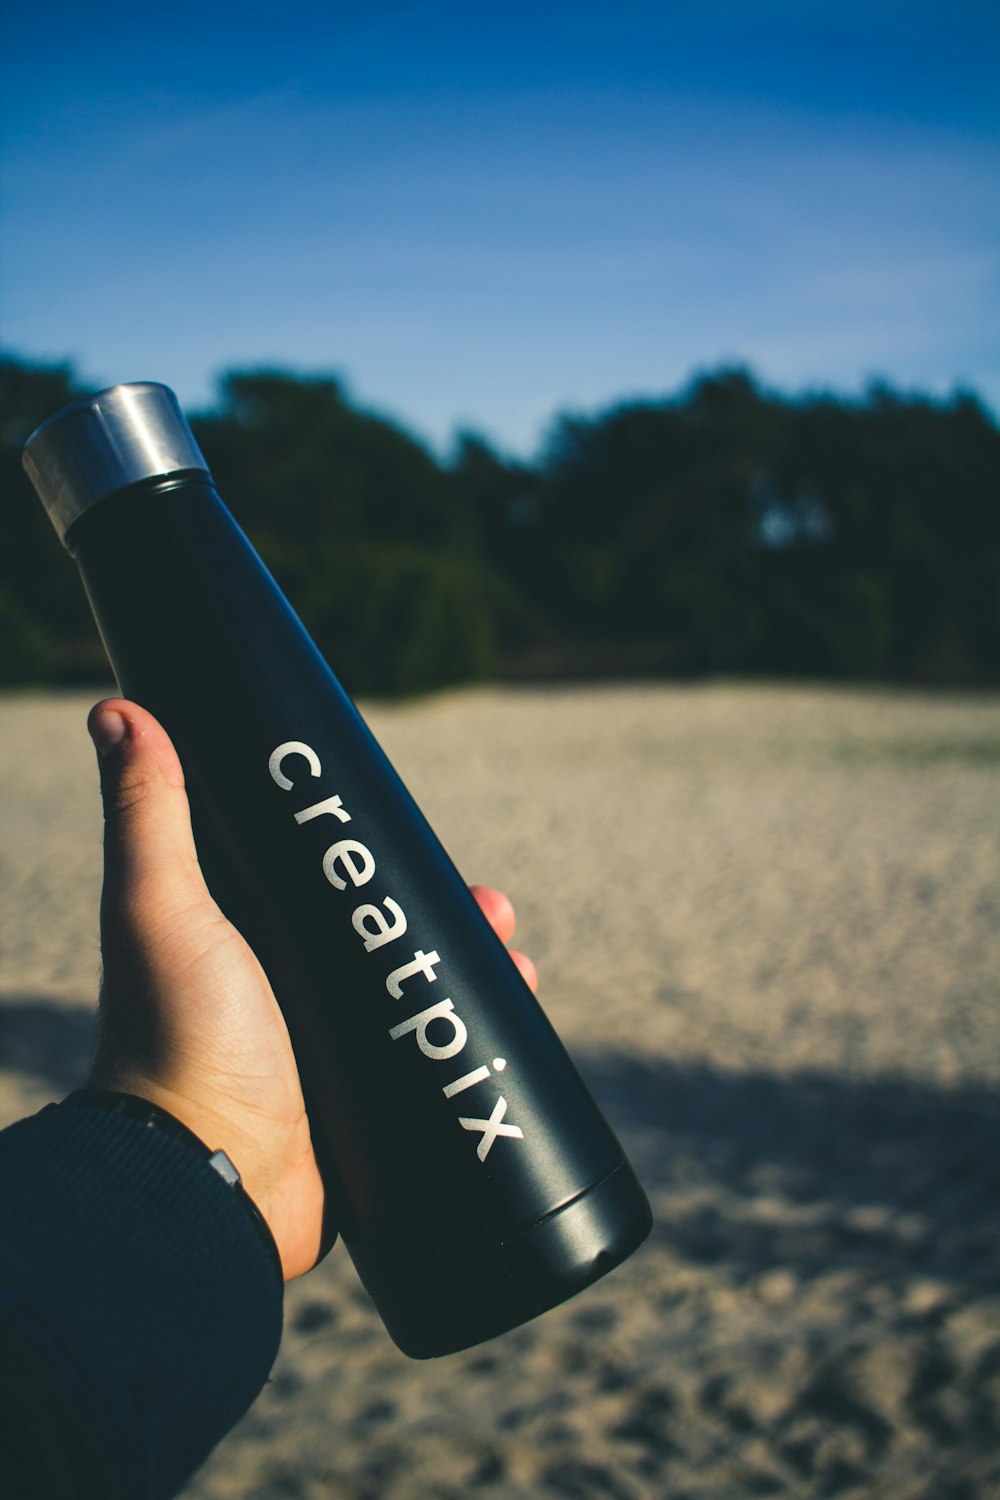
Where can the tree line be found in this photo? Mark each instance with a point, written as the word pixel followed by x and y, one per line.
pixel 722 529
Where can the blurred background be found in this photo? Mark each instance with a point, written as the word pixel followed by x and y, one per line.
pixel 633 371
pixel 570 339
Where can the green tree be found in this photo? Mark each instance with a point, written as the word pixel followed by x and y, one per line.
pixel 46 629
pixel 723 528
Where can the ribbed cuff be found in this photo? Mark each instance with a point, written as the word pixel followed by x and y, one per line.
pixel 128 1265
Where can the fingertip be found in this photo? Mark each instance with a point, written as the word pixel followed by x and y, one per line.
pixel 116 722
pixel 112 721
pixel 527 970
pixel 497 910
pixel 107 727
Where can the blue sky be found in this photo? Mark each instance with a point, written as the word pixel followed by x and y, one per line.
pixel 479 214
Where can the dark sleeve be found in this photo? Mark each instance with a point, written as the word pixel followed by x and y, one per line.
pixel 140 1311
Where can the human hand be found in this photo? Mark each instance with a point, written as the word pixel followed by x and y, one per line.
pixel 188 1019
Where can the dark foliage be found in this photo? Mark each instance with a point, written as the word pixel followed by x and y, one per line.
pixel 734 531
pixel 724 529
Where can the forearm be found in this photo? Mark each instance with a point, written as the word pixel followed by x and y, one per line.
pixel 140 1311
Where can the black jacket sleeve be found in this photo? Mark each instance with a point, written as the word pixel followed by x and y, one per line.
pixel 140 1311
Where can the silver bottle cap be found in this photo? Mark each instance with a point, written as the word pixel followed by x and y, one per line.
pixel 102 443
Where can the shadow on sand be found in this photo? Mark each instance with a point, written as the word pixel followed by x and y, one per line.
pixel 874 1171
pixel 861 1170
pixel 842 1187
pixel 46 1041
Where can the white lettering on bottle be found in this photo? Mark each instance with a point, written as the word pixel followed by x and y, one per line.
pixel 443 1011
pixel 292 747
pixel 359 871
pixel 465 1082
pixel 423 963
pixel 328 805
pixel 491 1128
pixel 468 1080
pixel 385 931
pixel 351 861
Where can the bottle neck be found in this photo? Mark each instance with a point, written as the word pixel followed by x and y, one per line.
pixel 113 508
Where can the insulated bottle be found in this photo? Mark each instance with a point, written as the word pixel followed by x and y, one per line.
pixel 471 1175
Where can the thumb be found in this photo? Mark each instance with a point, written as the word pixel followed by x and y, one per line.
pixel 150 859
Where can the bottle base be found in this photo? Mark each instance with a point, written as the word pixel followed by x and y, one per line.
pixel 447 1306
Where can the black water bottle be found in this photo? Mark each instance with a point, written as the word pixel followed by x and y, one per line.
pixel 471 1176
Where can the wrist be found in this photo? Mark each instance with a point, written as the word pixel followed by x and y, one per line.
pixel 221 1129
pixel 153 1116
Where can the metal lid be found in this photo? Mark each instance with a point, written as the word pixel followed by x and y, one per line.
pixel 102 443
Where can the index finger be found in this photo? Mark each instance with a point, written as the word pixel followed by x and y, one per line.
pixel 497 910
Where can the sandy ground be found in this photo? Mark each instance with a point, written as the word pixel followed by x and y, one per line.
pixel 768 926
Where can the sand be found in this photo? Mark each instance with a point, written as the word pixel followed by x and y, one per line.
pixel 767 921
